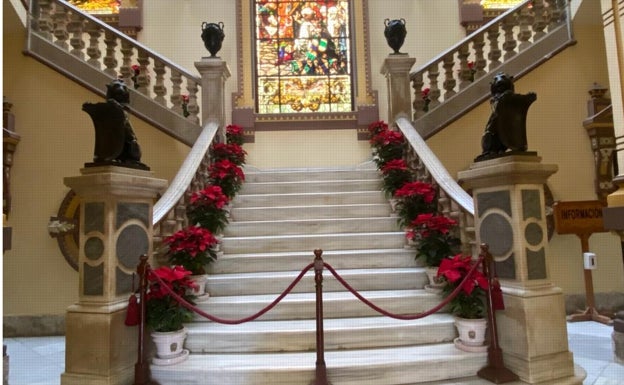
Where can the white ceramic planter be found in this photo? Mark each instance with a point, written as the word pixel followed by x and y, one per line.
pixel 200 281
pixel 471 332
pixel 169 347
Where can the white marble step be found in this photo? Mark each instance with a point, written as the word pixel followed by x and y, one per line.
pixel 300 335
pixel 292 261
pixel 312 226
pixel 276 282
pixel 309 186
pixel 297 175
pixel 302 305
pixel 382 366
pixel 342 241
pixel 308 199
pixel 364 210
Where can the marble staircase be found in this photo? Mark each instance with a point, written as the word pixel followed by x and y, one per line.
pixel 277 220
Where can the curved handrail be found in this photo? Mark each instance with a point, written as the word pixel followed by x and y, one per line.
pixel 479 31
pixel 128 39
pixel 185 175
pixel 436 169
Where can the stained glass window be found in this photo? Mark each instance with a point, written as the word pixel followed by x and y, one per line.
pixel 500 4
pixel 303 59
pixel 98 6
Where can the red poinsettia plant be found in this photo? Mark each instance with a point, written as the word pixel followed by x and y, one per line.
pixel 207 208
pixel 434 236
pixel 234 134
pixel 228 175
pixel 376 127
pixel 185 101
pixel 192 247
pixel 163 312
pixel 228 151
pixel 470 302
pixel 414 198
pixel 387 145
pixel 425 97
pixel 395 174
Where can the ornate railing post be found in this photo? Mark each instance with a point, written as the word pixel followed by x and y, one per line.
pixel 396 69
pixel 214 72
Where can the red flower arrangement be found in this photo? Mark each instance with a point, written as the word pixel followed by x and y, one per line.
pixel 387 138
pixel 414 198
pixel 185 102
pixel 192 247
pixel 136 71
pixel 231 151
pixel 234 134
pixel 387 145
pixel 207 208
pixel 395 174
pixel 434 237
pixel 376 127
pixel 165 313
pixel 425 96
pixel 469 303
pixel 228 175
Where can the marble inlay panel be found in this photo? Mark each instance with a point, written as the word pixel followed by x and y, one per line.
pixel 131 244
pixel 93 279
pixel 496 231
pixel 93 248
pixel 536 264
pixel 123 282
pixel 94 217
pixel 507 267
pixel 127 211
pixel 531 204
pixel 534 234
pixel 496 199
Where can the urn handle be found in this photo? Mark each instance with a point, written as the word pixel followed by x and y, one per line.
pixel 386 22
pixel 221 25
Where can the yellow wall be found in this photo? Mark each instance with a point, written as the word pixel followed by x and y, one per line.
pixel 556 132
pixel 57 138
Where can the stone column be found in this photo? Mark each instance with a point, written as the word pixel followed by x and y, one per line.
pixel 510 217
pixel 396 69
pixel 214 72
pixel 116 205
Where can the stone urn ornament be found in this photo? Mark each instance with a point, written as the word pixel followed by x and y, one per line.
pixel 395 34
pixel 212 35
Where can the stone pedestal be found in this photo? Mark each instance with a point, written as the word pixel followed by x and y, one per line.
pixel 510 217
pixel 214 72
pixel 116 205
pixel 396 69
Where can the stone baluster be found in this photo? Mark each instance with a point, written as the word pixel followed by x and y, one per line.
pixel 110 60
pixel 176 96
pixel 44 22
pixel 557 11
pixel 448 63
pixel 193 108
pixel 159 86
pixel 434 90
pixel 524 35
pixel 509 46
pixel 479 63
pixel 93 51
pixel 419 102
pixel 494 53
pixel 143 78
pixel 61 19
pixel 539 20
pixel 76 28
pixel 465 74
pixel 125 71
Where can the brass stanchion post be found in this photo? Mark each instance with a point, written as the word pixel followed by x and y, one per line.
pixel 141 368
pixel 495 371
pixel 321 370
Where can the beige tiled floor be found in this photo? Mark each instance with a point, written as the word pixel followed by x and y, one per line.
pixel 40 360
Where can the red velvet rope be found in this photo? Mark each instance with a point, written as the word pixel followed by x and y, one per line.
pixel 344 283
pixel 189 306
pixel 439 306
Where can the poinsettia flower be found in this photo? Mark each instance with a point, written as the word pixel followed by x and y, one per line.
pixel 233 129
pixel 395 164
pixel 211 196
pixel 412 189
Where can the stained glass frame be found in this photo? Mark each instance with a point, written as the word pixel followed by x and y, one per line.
pixel 303 60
